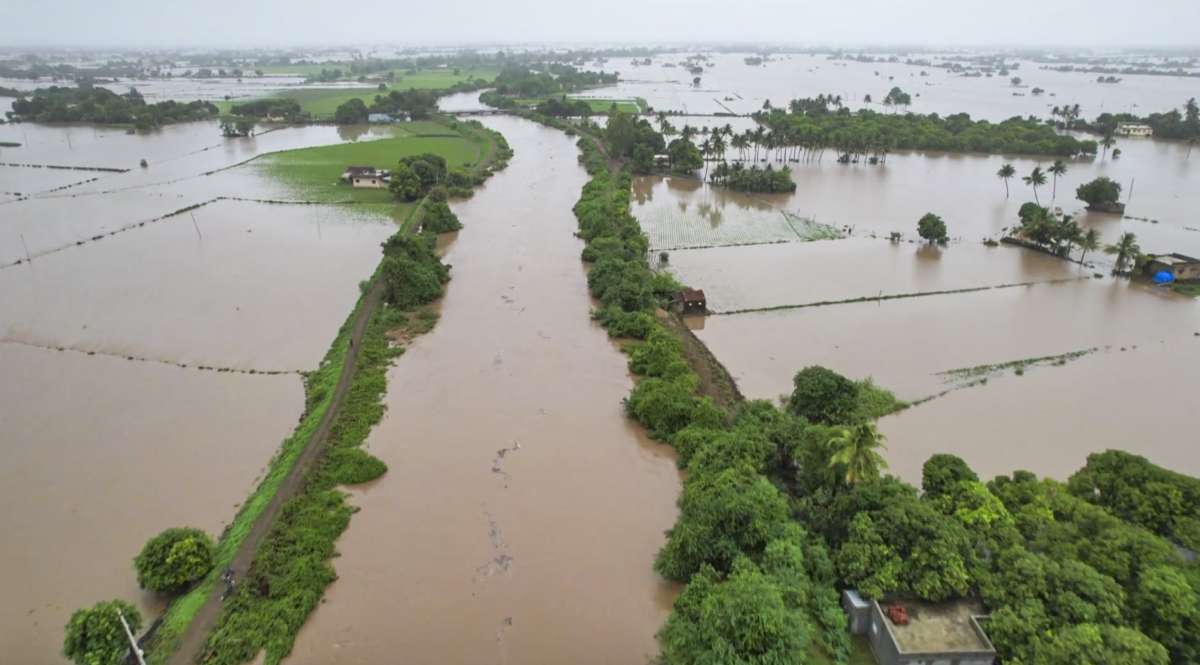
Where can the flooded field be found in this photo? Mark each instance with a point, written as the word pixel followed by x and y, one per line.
pixel 797 273
pixel 731 86
pixel 102 453
pixel 521 510
pixel 113 428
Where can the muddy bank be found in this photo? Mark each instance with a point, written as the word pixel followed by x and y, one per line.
pixel 521 511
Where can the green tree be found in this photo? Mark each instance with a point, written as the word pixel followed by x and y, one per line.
pixel 1035 179
pixel 1058 168
pixel 94 636
pixel 351 112
pixel 743 620
pixel 1089 243
pixel 932 228
pixel 1088 644
pixel 1167 609
pixel 405 184
pixel 823 396
pixel 1005 173
pixel 866 562
pixel 1125 250
pixel 942 471
pixel 856 451
pixel 721 517
pixel 1100 193
pixel 173 559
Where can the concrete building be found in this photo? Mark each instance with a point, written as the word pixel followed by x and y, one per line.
pixel 1182 267
pixel 934 634
pixel 365 177
pixel 1134 129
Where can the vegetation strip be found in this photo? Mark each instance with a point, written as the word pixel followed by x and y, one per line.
pixel 104 169
pixel 277 550
pixel 894 296
pixel 146 359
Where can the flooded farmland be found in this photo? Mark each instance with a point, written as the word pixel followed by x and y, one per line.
pixel 134 346
pixel 521 510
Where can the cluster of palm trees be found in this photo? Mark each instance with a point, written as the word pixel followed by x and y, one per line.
pixel 1036 178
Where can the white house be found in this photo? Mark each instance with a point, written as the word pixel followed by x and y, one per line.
pixel 1134 129
pixel 367 177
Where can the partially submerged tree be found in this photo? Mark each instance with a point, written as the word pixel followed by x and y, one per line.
pixel 173 559
pixel 94 636
pixel 932 228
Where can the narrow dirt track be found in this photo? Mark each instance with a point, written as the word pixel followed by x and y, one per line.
pixel 206 618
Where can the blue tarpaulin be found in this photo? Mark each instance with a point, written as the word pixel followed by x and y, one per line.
pixel 1163 277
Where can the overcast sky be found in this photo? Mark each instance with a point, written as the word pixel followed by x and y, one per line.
pixel 166 23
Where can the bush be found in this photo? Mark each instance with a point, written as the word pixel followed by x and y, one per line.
pixel 619 323
pixel 1099 193
pixel 174 559
pixel 439 218
pixel 94 636
pixel 932 228
pixel 665 406
pixel 660 355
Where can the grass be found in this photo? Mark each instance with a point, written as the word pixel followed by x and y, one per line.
pixel 598 105
pixel 314 173
pixel 1191 289
pixel 974 374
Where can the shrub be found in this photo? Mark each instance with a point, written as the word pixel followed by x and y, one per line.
pixel 439 218
pixel 932 228
pixel 174 559
pixel 1100 192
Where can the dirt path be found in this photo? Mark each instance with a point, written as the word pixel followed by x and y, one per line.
pixel 206 618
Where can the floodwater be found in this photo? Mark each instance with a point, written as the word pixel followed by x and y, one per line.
pixel 462 101
pixel 521 511
pixel 963 189
pixel 103 451
pixel 731 86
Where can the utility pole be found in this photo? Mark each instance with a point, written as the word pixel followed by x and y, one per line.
pixel 28 258
pixel 195 225
pixel 1130 194
pixel 133 645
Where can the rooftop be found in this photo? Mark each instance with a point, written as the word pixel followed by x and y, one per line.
pixel 1174 259
pixel 938 627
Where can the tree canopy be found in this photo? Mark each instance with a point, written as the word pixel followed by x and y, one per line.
pixel 174 559
pixel 94 636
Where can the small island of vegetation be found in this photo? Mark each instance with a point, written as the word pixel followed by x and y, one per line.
pixel 88 103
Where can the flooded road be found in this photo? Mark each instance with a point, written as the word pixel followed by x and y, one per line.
pixel 521 511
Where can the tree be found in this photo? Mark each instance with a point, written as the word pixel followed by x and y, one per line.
pixel 743 620
pixel 1168 610
pixel 722 516
pixel 351 112
pixel 855 449
pixel 1007 171
pixel 1088 643
pixel 942 471
pixel 1057 169
pixel 95 636
pixel 1089 243
pixel 174 559
pixel 1108 141
pixel 1125 249
pixel 405 184
pixel 684 156
pixel 1099 194
pixel 932 228
pixel 1035 179
pixel 823 396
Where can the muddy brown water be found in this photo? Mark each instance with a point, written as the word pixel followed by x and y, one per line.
pixel 521 511
pixel 102 452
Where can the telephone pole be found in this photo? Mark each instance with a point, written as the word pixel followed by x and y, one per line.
pixel 133 645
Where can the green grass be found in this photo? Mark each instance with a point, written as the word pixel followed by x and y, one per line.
pixel 598 105
pixel 1191 289
pixel 313 173
pixel 437 79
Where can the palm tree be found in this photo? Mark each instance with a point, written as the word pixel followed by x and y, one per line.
pixel 706 150
pixel 1125 250
pixel 1057 169
pixel 1108 141
pixel 1007 171
pixel 1036 178
pixel 855 449
pixel 1089 243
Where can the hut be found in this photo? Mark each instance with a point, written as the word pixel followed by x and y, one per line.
pixel 692 301
pixel 1180 267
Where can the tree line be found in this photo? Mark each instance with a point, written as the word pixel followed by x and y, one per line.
pixel 101 105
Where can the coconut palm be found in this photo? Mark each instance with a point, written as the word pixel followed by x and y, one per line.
pixel 1035 179
pixel 1126 250
pixel 1089 243
pixel 1108 141
pixel 1007 171
pixel 855 448
pixel 1057 169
